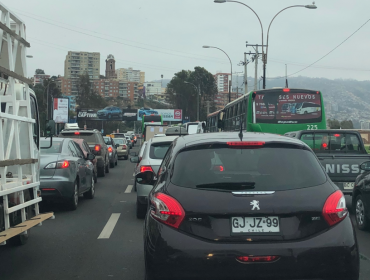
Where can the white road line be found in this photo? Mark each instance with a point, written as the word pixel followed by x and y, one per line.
pixel 129 189
pixel 133 175
pixel 109 227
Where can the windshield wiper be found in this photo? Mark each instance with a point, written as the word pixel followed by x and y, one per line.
pixel 228 186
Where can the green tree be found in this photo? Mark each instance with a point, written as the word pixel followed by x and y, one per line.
pixel 184 96
pixel 87 97
pixel 333 124
pixel 39 71
pixel 346 124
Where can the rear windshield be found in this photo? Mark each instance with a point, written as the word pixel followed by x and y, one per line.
pixel 88 137
pixel 333 142
pixel 265 169
pixel 120 141
pixel 107 140
pixel 55 148
pixel 118 135
pixel 158 150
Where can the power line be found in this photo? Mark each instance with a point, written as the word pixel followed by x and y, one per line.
pixel 118 42
pixel 327 53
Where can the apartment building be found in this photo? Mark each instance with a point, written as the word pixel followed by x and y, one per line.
pixel 130 75
pixel 79 63
pixel 222 81
pixel 152 88
pixel 39 78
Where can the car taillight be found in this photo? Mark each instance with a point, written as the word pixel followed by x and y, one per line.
pixel 110 149
pixel 57 165
pixel 146 168
pixel 248 259
pixel 218 168
pixel 97 148
pixel 77 133
pixel 335 209
pixel 124 147
pixel 167 210
pixel 245 144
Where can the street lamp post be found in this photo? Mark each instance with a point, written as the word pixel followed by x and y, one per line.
pixel 198 95
pixel 47 100
pixel 264 56
pixel 231 64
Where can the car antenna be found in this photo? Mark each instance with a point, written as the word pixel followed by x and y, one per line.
pixel 241 130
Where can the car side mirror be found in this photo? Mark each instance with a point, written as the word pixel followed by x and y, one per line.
pixel 50 128
pixel 365 166
pixel 134 159
pixel 90 156
pixel 133 154
pixel 146 178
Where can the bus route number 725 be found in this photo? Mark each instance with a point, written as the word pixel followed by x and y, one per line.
pixel 312 127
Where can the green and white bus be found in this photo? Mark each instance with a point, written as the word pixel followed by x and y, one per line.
pixel 150 119
pixel 277 110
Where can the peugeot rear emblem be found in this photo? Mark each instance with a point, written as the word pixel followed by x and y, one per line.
pixel 255 204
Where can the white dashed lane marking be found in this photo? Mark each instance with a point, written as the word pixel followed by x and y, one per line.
pixel 109 227
pixel 129 189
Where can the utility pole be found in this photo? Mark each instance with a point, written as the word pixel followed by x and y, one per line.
pixel 286 75
pixel 255 59
pixel 245 74
pixel 198 103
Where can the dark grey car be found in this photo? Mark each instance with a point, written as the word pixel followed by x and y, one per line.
pixel 65 172
pixel 112 149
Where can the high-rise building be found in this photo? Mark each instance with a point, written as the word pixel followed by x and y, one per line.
pixel 79 63
pixel 130 75
pixel 39 78
pixel 222 81
pixel 110 67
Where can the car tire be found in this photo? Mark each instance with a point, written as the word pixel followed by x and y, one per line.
pixel 22 239
pixel 95 177
pixel 360 213
pixel 109 116
pixel 101 171
pixel 73 200
pixel 116 163
pixel 91 193
pixel 140 210
pixel 107 168
pixel 111 165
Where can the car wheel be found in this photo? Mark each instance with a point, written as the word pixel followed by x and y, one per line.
pixel 361 219
pixel 116 160
pixel 107 168
pixel 95 177
pixel 305 112
pixel 140 210
pixel 101 171
pixel 22 239
pixel 91 193
pixel 111 165
pixel 109 116
pixel 73 201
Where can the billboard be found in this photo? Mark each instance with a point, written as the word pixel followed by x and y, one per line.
pixel 288 108
pixel 170 115
pixel 60 110
pixel 129 114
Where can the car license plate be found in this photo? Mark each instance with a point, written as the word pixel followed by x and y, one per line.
pixel 348 186
pixel 255 224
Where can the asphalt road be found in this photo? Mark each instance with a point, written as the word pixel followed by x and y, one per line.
pixel 102 239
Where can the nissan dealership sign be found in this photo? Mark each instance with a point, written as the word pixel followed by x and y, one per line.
pixel 169 115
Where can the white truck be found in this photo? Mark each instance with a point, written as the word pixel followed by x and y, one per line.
pixel 19 136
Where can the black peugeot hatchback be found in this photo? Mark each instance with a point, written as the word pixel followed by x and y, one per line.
pixel 260 207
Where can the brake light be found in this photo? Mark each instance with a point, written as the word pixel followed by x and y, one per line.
pixel 246 144
pixel 167 210
pixel 218 168
pixel 335 209
pixel 110 149
pixel 124 147
pixel 48 189
pixel 65 164
pixel 77 133
pixel 286 89
pixel 324 145
pixel 337 135
pixel 146 168
pixel 247 259
pixel 97 148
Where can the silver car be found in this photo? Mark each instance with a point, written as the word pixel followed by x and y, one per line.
pixel 147 168
pixel 112 149
pixel 65 172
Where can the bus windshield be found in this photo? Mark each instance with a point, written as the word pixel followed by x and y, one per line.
pixel 293 107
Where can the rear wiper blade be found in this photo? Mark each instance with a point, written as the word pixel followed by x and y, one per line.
pixel 228 186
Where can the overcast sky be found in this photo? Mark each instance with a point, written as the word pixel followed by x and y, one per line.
pixel 166 36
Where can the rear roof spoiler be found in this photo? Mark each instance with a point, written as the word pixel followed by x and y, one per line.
pixel 173 131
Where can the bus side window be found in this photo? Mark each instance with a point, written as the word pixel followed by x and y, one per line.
pixel 36 125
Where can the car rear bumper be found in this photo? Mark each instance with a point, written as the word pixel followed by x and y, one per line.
pixel 122 153
pixel 171 254
pixel 142 192
pixel 56 188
